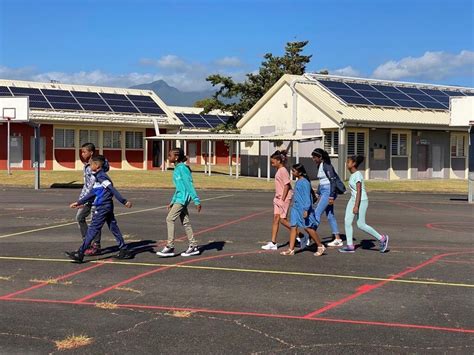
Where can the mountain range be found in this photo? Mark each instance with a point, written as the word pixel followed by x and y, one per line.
pixel 172 96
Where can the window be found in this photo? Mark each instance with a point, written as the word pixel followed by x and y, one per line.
pixel 113 139
pixel 355 143
pixel 458 145
pixel 331 142
pixel 64 138
pixel 91 136
pixel 399 144
pixel 134 140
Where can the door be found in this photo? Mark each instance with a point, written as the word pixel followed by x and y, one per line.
pixel 192 152
pixel 16 152
pixel 156 154
pixel 422 161
pixel 42 157
pixel 437 161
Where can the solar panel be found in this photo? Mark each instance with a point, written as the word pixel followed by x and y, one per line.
pixel 47 92
pixel 213 120
pixel 186 122
pixel 66 106
pixel 146 104
pixel 93 107
pixel 224 118
pixel 85 94
pixel 4 91
pixel 140 98
pixel 39 104
pixel 25 91
pixel 391 95
pixel 197 120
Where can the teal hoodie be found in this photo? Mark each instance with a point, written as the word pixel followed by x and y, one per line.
pixel 183 181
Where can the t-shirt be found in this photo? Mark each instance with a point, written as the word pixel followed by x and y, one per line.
pixel 282 178
pixel 353 180
pixel 323 179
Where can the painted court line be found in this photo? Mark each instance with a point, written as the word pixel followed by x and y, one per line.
pixel 117 214
pixel 154 271
pixel 42 284
pixel 258 271
pixel 369 288
pixel 254 314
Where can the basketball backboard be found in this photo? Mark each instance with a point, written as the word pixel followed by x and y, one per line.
pixel 15 109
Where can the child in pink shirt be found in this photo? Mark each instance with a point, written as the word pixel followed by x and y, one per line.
pixel 282 199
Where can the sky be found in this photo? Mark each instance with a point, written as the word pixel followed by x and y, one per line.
pixel 124 43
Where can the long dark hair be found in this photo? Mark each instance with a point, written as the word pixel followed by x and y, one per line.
pixel 281 156
pixel 321 153
pixel 302 170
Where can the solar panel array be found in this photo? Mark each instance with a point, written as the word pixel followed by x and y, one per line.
pixel 71 100
pixel 392 95
pixel 194 120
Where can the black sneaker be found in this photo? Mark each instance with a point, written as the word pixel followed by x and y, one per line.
pixel 166 252
pixel 123 254
pixel 76 256
pixel 191 251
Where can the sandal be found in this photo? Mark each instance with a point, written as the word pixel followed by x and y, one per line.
pixel 289 252
pixel 320 251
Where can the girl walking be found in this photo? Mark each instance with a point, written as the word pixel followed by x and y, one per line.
pixel 327 193
pixel 357 207
pixel 282 199
pixel 301 213
pixel 178 207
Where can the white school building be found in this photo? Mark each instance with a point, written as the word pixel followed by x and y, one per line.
pixel 401 128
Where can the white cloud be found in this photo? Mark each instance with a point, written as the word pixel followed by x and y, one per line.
pixel 346 71
pixel 177 72
pixel 229 62
pixel 430 66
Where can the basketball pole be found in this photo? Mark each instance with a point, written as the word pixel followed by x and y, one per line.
pixel 37 156
pixel 8 146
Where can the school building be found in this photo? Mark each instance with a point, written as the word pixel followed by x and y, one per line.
pixel 401 128
pixel 116 120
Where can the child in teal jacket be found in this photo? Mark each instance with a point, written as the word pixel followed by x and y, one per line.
pixel 178 207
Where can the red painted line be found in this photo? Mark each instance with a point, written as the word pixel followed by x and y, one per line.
pixel 369 288
pixel 42 284
pixel 142 275
pixel 154 271
pixel 254 314
pixel 436 226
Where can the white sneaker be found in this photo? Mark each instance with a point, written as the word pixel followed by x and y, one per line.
pixel 270 246
pixel 336 243
pixel 304 241
pixel 191 251
pixel 166 252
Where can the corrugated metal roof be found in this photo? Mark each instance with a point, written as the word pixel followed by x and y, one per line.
pixel 317 95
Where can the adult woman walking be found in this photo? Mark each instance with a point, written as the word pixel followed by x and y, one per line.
pixel 327 192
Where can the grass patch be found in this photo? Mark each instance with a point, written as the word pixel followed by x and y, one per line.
pixel 128 289
pixel 180 314
pixel 155 179
pixel 73 342
pixel 106 305
pixel 51 281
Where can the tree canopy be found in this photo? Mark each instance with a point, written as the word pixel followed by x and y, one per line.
pixel 238 98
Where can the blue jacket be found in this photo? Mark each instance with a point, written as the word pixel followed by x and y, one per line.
pixel 102 191
pixel 89 178
pixel 183 181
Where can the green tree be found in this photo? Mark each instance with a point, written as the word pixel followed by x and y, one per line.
pixel 238 98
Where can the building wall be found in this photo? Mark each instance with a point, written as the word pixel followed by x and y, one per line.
pixel 26 132
pixel 379 142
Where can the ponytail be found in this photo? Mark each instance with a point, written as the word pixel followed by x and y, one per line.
pixel 321 153
pixel 281 156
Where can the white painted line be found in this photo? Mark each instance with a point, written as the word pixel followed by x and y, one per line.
pixel 118 214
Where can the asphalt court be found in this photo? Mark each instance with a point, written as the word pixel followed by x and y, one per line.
pixel 234 296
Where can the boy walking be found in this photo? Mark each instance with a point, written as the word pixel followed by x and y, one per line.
pixel 102 194
pixel 87 152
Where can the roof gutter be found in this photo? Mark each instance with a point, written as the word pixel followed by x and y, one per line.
pixel 294 95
